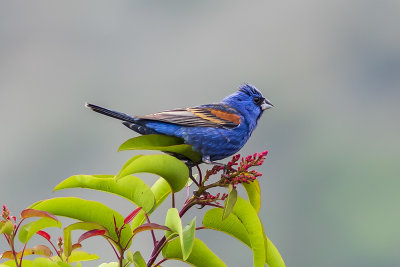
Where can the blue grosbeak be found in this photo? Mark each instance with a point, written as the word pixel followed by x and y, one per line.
pixel 216 131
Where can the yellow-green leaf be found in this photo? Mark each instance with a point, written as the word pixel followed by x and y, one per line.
pixel 174 171
pixel 162 143
pixel 29 229
pixel 201 255
pixel 133 189
pixel 77 226
pixel 161 191
pixel 80 255
pixel 253 194
pixel 138 260
pixel 188 238
pixel 229 202
pixel 6 227
pixel 87 211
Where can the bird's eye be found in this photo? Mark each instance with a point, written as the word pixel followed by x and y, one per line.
pixel 258 100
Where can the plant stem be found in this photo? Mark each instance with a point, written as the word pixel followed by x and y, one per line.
pixel 191 176
pixel 13 250
pixel 152 231
pixel 22 255
pixel 157 249
pixel 200 175
pixel 161 261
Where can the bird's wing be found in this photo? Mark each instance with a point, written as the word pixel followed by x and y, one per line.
pixel 213 115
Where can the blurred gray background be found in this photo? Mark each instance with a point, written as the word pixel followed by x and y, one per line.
pixel 331 68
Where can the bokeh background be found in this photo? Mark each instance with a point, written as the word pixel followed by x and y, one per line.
pixel 332 69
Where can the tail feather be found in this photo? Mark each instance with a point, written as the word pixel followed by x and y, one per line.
pixel 111 113
pixel 141 129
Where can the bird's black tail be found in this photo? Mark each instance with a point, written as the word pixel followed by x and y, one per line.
pixel 111 113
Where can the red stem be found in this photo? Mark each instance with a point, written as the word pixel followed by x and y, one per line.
pixel 200 175
pixel 152 231
pixel 161 261
pixel 22 255
pixel 157 249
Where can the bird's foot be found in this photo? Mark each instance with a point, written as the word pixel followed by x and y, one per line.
pixel 206 159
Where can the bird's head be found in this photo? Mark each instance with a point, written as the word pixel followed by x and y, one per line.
pixel 249 100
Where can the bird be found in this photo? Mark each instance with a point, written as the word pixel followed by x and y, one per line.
pixel 216 131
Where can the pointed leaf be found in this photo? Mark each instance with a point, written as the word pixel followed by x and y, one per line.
pixel 138 260
pixel 133 214
pixel 78 226
pixel 133 189
pixel 76 246
pixel 79 255
pixel 188 238
pixel 174 171
pixel 28 230
pixel 229 202
pixel 88 211
pixel 37 250
pixel 233 226
pixel 161 190
pixel 44 262
pixel 246 214
pixel 253 194
pixel 28 213
pixel 201 255
pixel 91 233
pixel 162 143
pixel 273 257
pixel 43 234
pixel 6 227
pixel 110 264
pixel 173 222
pixel 7 255
pixel 212 219
pixel 149 226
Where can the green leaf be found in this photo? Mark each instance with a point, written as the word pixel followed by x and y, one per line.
pixel 29 229
pixel 201 255
pixel 110 264
pixel 77 226
pixel 254 194
pixel 138 260
pixel 133 189
pixel 88 211
pixel 6 227
pixel 161 190
pixel 174 171
pixel 188 238
pixel 272 256
pixel 149 226
pixel 248 217
pixel 79 255
pixel 29 213
pixel 232 225
pixel 229 202
pixel 173 222
pixel 44 262
pixel 162 143
pixel 242 224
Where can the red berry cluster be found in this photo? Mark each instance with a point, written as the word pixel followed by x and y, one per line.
pixel 6 214
pixel 209 198
pixel 243 174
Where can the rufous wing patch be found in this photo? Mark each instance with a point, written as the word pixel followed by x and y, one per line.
pixel 225 116
pixel 216 116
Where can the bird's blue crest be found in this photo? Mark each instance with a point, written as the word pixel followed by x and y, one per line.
pixel 249 89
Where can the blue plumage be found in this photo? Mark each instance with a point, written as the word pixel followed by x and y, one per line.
pixel 216 131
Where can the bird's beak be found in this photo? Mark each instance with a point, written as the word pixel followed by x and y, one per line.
pixel 266 104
